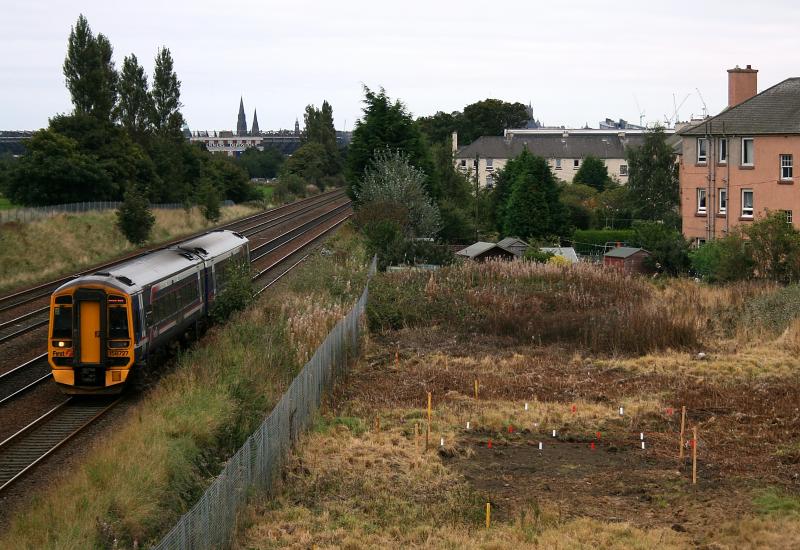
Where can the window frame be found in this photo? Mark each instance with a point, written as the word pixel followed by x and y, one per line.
pixel 790 166
pixel 576 163
pixel 623 169
pixel 752 203
pixel 702 200
pixel 558 164
pixel 789 216
pixel 723 150
pixel 720 201
pixel 704 158
pixel 752 151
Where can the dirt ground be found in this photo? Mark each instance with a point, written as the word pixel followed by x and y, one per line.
pixel 749 429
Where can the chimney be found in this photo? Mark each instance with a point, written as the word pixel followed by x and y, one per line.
pixel 742 84
pixel 455 142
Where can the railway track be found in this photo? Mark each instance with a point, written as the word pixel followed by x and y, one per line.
pixel 37 318
pixel 32 444
pixel 36 441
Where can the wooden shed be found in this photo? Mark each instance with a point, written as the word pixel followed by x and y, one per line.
pixel 627 259
pixel 516 246
pixel 481 251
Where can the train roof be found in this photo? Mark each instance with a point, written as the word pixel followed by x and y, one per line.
pixel 132 275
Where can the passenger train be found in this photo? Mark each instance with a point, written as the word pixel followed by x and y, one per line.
pixel 105 325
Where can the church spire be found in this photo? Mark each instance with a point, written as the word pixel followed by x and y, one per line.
pixel 241 124
pixel 296 127
pixel 255 130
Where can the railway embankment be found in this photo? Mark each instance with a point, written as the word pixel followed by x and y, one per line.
pixel 141 472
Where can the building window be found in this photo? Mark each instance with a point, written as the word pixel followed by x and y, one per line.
pixel 463 163
pixel 701 200
pixel 558 164
pixel 788 214
pixel 702 150
pixel 723 150
pixel 786 167
pixel 747 151
pixel 747 203
pixel 623 169
pixel 489 163
pixel 698 242
pixel 723 201
pixel 489 181
pixel 576 163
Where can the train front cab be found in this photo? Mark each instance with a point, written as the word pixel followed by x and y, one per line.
pixel 90 345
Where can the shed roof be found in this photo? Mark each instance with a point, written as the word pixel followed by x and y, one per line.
pixel 476 249
pixel 604 146
pixel 564 251
pixel 623 252
pixel 511 241
pixel 776 110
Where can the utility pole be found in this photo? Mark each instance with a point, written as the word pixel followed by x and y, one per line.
pixel 477 158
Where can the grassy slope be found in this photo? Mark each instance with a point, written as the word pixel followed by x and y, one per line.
pixel 138 480
pixel 57 245
pixel 352 485
pixel 5 204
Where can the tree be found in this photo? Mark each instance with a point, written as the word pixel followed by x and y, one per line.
pixel 166 94
pixel 261 164
pixel 534 209
pixel 55 171
pixel 490 117
pixel 385 124
pixel 723 260
pixel 669 250
pixel 775 248
pixel 580 201
pixel 134 218
pixel 439 128
pixel 653 179
pixel 89 71
pixel 455 200
pixel 319 129
pixel 135 104
pixel 392 181
pixel 208 199
pixel 231 177
pixel 593 172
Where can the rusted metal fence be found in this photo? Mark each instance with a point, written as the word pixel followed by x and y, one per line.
pixel 211 522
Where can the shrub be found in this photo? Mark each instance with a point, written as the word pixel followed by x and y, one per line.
pixel 669 250
pixel 592 241
pixel 236 295
pixel 208 200
pixel 723 260
pixel 535 255
pixel 134 218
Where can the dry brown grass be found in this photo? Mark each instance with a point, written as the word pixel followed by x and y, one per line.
pixel 62 244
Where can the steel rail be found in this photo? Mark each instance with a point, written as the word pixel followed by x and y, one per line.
pixel 12 378
pixel 39 439
pixel 21 297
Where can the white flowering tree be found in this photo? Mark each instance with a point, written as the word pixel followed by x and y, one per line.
pixel 392 184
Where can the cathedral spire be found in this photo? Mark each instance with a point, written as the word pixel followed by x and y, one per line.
pixel 241 124
pixel 255 130
pixel 296 127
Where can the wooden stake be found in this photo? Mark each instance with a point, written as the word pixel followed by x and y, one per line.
pixel 416 434
pixel 428 431
pixel 377 423
pixel 476 388
pixel 694 455
pixel 488 515
pixel 683 425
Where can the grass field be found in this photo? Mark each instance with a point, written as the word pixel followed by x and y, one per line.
pixel 137 481
pixel 5 204
pixel 553 349
pixel 58 245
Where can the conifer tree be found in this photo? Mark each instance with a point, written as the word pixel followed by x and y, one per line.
pixel 89 71
pixel 166 94
pixel 593 172
pixel 653 179
pixel 135 104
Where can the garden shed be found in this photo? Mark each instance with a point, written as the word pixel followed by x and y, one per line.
pixel 482 251
pixel 627 259
pixel 514 245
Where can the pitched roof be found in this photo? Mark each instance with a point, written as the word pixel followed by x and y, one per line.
pixel 776 110
pixel 476 249
pixel 604 146
pixel 623 252
pixel 509 241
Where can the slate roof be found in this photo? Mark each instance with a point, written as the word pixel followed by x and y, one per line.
pixel 574 146
pixel 476 249
pixel 623 252
pixel 776 110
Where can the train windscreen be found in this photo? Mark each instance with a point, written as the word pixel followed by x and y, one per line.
pixel 117 322
pixel 62 322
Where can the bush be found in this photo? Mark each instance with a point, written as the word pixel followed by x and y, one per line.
pixel 236 294
pixel 723 260
pixel 592 241
pixel 208 200
pixel 134 218
pixel 669 250
pixel 538 256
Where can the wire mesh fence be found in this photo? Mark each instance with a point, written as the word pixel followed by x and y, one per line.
pixel 210 523
pixel 38 212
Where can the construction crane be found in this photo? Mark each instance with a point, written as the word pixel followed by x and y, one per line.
pixel 703 101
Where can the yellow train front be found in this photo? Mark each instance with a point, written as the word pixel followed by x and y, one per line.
pixel 106 325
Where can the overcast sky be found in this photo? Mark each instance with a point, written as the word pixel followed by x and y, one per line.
pixel 578 62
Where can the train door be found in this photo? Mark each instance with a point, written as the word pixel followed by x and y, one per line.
pixel 91 340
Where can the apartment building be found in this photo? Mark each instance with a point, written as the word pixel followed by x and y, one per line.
pixel 564 150
pixel 737 166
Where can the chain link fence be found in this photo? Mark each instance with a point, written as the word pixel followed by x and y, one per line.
pixel 211 522
pixel 38 212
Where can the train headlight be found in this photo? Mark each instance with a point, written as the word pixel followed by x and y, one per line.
pixel 61 344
